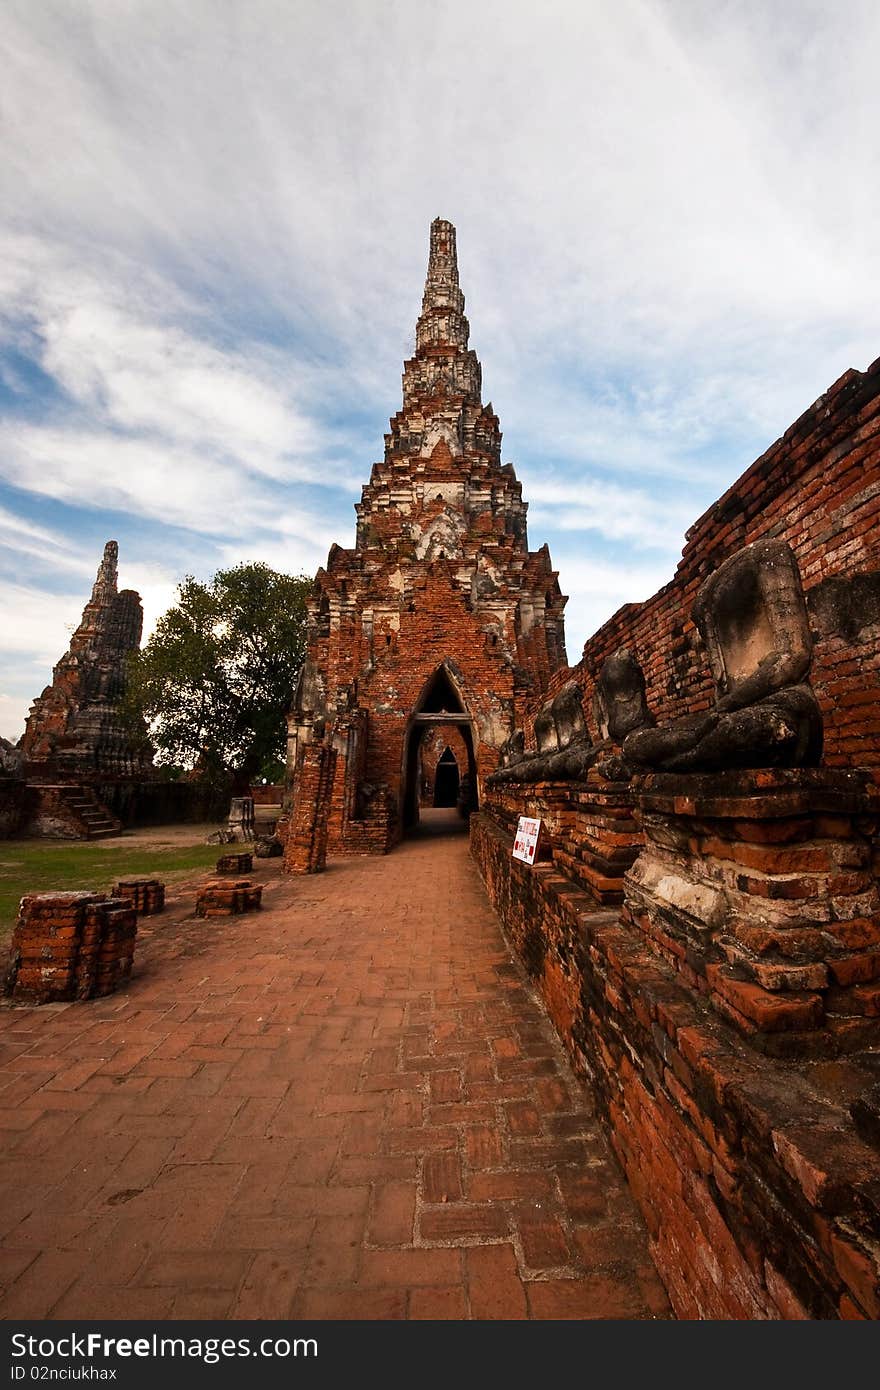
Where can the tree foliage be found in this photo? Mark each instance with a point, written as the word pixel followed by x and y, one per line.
pixel 215 679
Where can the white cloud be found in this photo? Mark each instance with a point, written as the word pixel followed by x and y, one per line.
pixel 46 548
pixel 597 588
pixel 13 713
pixel 617 513
pixel 38 624
pixel 156 585
pixel 218 218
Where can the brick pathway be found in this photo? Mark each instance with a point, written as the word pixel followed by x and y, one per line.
pixel 346 1106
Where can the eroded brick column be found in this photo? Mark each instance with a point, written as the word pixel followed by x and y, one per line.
pixel 306 849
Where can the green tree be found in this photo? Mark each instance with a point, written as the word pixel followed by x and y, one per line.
pixel 216 677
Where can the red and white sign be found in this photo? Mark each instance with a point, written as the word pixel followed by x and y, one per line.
pixel 528 839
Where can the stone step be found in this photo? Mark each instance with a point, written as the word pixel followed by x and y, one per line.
pixel 97 822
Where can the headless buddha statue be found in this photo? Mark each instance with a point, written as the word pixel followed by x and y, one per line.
pixel 753 621
pixel 565 750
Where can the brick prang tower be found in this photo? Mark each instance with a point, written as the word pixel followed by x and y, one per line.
pixel 75 730
pixel 440 615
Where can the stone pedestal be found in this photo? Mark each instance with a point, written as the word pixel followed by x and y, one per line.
pixel 70 946
pixel 592 827
pixel 605 841
pixel 241 818
pixel 145 895
pixel 225 897
pixel 760 889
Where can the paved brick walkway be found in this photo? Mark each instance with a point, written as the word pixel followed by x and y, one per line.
pixel 346 1106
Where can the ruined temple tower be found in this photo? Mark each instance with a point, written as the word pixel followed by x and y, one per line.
pixel 440 618
pixel 74 731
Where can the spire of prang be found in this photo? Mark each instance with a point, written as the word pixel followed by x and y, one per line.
pixel 442 324
pixel 442 257
pixel 104 586
pixel 96 612
pixel 442 427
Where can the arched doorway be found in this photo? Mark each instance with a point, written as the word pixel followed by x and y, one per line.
pixel 440 716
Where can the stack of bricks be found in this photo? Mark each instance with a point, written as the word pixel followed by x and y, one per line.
pixel 70 946
pixel 592 827
pixel 114 925
pixel 235 864
pixel 759 889
pixel 307 834
pixel 145 895
pixel 228 897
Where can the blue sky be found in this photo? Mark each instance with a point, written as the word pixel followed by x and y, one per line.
pixel 214 236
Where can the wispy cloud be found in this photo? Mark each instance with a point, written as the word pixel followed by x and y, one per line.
pixel 617 513
pixel 210 269
pixel 38 544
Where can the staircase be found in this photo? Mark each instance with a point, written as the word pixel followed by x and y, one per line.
pixel 97 821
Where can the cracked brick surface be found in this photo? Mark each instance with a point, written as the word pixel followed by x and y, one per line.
pixel 351 1106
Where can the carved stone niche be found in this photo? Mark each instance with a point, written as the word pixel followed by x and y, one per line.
pixel 753 620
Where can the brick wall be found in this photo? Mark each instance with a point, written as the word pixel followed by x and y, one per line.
pixel 818 487
pixel 758 1191
pixel 13 806
pixel 729 1012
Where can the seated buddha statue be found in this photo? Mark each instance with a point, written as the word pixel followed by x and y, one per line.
pixel 753 621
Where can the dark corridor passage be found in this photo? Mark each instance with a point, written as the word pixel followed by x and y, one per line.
pixel 447 780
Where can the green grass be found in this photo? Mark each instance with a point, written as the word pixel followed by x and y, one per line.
pixel 48 867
